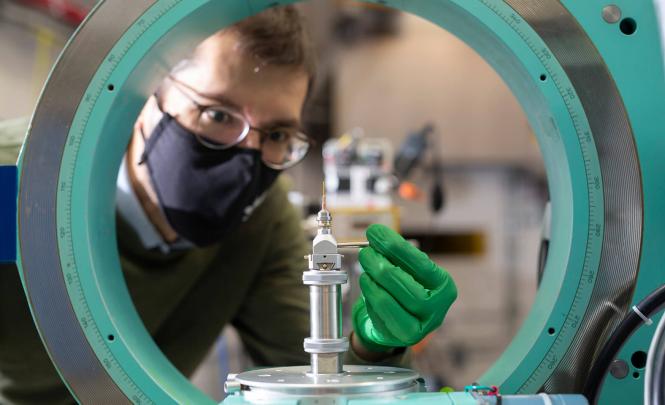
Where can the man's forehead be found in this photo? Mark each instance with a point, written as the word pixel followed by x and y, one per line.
pixel 214 59
pixel 222 70
pixel 222 43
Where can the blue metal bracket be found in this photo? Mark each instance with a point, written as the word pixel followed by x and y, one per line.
pixel 8 193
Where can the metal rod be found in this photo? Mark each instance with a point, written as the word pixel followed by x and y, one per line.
pixel 352 245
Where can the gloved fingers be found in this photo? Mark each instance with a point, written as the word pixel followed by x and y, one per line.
pixel 379 332
pixel 365 329
pixel 400 323
pixel 440 302
pixel 405 256
pixel 401 285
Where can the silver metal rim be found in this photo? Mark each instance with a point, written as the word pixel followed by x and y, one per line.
pixel 46 288
pixel 316 277
pixel 326 345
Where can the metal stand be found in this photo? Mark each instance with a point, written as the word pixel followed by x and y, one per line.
pixel 326 344
pixel 327 378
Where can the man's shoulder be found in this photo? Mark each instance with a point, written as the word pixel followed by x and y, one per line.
pixel 276 207
pixel 277 195
pixel 12 134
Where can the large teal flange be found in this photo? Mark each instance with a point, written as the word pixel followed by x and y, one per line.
pixel 636 63
pixel 82 220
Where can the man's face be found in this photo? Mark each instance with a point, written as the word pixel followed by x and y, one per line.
pixel 223 74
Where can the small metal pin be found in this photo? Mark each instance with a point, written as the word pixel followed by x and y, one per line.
pixel 323 198
pixel 352 245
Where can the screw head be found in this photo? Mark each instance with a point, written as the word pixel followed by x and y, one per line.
pixel 619 369
pixel 611 13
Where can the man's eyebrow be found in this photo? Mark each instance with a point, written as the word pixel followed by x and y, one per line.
pixel 219 99
pixel 215 98
pixel 227 102
pixel 283 122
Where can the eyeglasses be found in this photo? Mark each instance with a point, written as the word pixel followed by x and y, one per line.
pixel 219 127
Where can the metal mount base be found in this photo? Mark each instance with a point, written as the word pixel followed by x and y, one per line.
pixel 298 382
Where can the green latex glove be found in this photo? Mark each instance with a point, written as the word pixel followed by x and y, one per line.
pixel 405 295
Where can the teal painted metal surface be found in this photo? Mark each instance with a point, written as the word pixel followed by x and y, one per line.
pixel 101 127
pixel 636 65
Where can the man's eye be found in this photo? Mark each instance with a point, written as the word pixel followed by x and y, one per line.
pixel 279 136
pixel 219 117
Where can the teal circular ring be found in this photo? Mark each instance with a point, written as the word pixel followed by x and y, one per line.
pixel 66 213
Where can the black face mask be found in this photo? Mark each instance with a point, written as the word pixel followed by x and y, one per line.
pixel 204 193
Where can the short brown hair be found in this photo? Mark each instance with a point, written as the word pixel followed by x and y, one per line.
pixel 277 36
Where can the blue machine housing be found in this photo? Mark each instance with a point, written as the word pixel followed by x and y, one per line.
pixel 8 190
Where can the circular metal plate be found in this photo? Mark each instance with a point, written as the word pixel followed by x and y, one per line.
pixel 356 380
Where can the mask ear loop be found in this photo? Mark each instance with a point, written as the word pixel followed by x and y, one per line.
pixel 149 143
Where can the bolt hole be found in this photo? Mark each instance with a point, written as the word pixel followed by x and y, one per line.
pixel 111 338
pixel 551 331
pixel 110 87
pixel 636 375
pixel 628 26
pixel 543 77
pixel 639 359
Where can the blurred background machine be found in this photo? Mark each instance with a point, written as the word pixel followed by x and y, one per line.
pixel 359 181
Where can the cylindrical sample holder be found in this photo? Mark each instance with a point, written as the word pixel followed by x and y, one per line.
pixel 326 344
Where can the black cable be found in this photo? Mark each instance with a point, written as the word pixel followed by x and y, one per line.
pixel 657 390
pixel 648 306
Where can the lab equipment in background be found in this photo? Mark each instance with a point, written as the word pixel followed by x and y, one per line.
pixel 72 12
pixel 412 154
pixel 357 170
pixel 359 182
pixel 356 22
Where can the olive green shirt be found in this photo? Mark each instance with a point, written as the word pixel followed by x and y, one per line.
pixel 252 280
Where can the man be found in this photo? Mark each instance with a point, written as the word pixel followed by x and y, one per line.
pixel 206 234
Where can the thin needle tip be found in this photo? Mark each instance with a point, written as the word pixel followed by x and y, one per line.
pixel 323 197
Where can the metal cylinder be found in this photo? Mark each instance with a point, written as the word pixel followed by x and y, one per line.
pixel 327 363
pixel 325 311
pixel 326 344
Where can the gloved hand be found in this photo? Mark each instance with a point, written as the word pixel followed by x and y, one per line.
pixel 404 294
